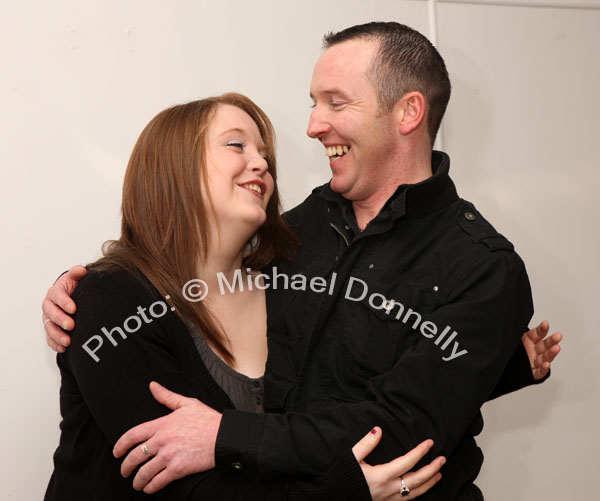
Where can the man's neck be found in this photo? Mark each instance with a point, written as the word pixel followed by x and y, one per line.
pixel 366 210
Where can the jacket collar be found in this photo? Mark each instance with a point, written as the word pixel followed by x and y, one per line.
pixel 414 200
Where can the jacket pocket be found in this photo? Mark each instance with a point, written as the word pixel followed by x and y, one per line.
pixel 391 317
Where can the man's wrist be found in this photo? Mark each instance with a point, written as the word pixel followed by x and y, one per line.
pixel 216 426
pixel 239 441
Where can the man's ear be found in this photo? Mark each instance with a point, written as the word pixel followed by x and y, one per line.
pixel 409 112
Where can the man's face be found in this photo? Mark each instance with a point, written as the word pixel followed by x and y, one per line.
pixel 345 118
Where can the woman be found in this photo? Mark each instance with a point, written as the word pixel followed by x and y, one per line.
pixel 199 200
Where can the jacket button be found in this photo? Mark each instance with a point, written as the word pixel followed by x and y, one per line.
pixel 371 266
pixel 435 288
pixel 469 216
pixel 237 466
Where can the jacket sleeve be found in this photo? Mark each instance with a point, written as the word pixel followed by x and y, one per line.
pixel 516 375
pixel 422 396
pixel 115 390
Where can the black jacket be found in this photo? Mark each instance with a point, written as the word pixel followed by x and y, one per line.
pixel 101 399
pixel 383 345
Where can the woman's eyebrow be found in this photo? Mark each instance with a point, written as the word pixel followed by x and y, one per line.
pixel 235 129
pixel 261 144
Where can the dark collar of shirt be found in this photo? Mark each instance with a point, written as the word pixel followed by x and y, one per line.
pixel 414 200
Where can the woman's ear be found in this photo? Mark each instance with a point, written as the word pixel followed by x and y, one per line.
pixel 409 112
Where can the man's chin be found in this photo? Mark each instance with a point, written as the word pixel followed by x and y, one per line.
pixel 340 185
pixel 345 188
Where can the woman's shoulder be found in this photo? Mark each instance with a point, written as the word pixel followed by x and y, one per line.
pixel 114 294
pixel 112 304
pixel 121 282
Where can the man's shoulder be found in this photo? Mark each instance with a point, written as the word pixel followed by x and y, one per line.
pixel 454 243
pixel 469 248
pixel 469 222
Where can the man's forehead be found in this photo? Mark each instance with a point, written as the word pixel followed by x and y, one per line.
pixel 350 57
pixel 342 66
pixel 361 49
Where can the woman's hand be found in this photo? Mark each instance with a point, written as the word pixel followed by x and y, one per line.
pixel 541 350
pixel 386 480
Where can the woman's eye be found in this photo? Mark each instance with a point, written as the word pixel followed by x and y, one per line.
pixel 236 144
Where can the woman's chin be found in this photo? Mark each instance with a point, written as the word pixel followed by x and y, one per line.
pixel 256 220
pixel 261 220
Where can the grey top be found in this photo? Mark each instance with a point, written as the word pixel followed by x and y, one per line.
pixel 245 392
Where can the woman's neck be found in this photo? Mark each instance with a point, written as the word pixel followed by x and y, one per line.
pixel 240 311
pixel 223 259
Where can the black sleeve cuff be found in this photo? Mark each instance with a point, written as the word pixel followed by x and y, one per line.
pixel 517 374
pixel 239 440
pixel 343 480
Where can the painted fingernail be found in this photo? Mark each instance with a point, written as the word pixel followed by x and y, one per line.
pixel 374 431
pixel 65 325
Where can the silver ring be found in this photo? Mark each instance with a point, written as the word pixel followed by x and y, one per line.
pixel 405 491
pixel 46 321
pixel 145 449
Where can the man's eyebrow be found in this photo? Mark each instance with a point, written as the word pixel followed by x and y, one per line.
pixel 331 92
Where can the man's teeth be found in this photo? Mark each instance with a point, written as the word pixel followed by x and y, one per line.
pixel 254 187
pixel 338 150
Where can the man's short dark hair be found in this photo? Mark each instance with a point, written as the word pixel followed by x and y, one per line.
pixel 406 61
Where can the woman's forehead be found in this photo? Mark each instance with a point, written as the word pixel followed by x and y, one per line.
pixel 229 117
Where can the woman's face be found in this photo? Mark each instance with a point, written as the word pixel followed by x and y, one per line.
pixel 238 180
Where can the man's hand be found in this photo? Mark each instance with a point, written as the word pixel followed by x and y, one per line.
pixel 541 350
pixel 56 304
pixel 178 444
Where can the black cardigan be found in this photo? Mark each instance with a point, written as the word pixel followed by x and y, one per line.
pixel 104 392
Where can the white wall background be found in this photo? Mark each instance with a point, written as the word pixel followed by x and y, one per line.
pixel 79 80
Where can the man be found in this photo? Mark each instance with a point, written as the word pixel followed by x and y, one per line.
pixel 425 306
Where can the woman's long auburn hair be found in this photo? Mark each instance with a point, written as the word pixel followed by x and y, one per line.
pixel 164 217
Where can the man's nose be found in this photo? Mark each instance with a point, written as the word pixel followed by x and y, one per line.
pixel 317 125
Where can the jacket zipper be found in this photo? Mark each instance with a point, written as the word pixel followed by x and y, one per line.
pixel 340 232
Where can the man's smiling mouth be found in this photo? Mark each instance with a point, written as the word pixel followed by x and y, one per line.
pixel 336 151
